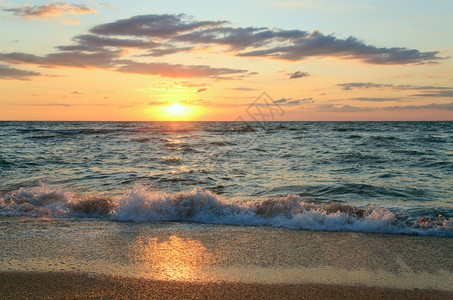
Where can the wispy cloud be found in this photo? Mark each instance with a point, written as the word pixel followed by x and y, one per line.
pixel 366 99
pixel 349 108
pixel 102 58
pixel 13 73
pixel 440 106
pixel 201 90
pixel 291 101
pixel 188 84
pixel 46 104
pixel 371 85
pixel 342 108
pixel 243 89
pixel 51 9
pixel 174 70
pixel 71 21
pixel 298 74
pixel 424 90
pixel 440 93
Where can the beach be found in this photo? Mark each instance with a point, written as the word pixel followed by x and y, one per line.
pixel 20 285
pixel 101 259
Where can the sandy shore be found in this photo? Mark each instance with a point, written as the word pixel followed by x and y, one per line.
pixel 58 285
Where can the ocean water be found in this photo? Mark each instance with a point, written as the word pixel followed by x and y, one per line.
pixel 375 177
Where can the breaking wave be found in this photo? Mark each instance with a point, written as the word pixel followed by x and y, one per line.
pixel 202 206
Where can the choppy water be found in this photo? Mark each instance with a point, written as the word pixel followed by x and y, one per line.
pixel 393 177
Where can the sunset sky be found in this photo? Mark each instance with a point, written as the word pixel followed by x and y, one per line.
pixel 206 60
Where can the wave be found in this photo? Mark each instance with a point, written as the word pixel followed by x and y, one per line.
pixel 203 206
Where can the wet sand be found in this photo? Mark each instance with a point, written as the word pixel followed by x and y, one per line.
pixel 53 258
pixel 58 285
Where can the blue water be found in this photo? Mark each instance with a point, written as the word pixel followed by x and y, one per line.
pixel 390 177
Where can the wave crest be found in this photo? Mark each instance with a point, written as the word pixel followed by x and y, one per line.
pixel 203 206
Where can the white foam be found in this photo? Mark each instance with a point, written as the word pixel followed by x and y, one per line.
pixel 203 206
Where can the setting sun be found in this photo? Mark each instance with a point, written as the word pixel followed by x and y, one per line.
pixel 176 109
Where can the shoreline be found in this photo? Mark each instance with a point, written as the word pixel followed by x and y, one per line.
pixel 57 285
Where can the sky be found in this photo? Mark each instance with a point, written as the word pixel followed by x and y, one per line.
pixel 226 60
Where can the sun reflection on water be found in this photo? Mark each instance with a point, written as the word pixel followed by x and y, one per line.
pixel 173 259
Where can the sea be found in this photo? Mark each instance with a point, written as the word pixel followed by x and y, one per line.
pixel 368 177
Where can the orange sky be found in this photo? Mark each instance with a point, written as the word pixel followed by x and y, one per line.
pixel 93 61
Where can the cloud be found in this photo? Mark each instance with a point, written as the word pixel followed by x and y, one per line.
pixel 366 99
pixel 166 51
pixel 107 45
pixel 46 104
pixel 316 44
pixel 362 85
pixel 292 45
pixel 71 21
pixel 447 106
pixel 153 26
pixel 441 93
pixel 188 84
pixel 92 43
pixel 201 90
pixel 342 108
pixel 243 89
pixel 7 73
pixel 371 85
pixel 348 108
pixel 51 9
pixel 290 101
pixel 174 70
pixel 424 91
pixel 101 58
pixel 298 74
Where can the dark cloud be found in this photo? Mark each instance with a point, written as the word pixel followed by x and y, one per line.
pixel 90 42
pixel 290 101
pixel 363 85
pixel 441 93
pixel 153 26
pixel 293 45
pixel 50 9
pixel 342 108
pixel 348 108
pixel 424 91
pixel 319 45
pixel 447 106
pixel 201 90
pixel 239 38
pixel 366 99
pixel 174 70
pixel 102 58
pixel 166 51
pixel 13 73
pixel 298 74
pixel 371 85
pixel 160 35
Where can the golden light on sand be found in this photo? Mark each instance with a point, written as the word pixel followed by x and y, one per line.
pixel 173 259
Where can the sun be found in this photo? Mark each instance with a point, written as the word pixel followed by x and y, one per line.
pixel 176 109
